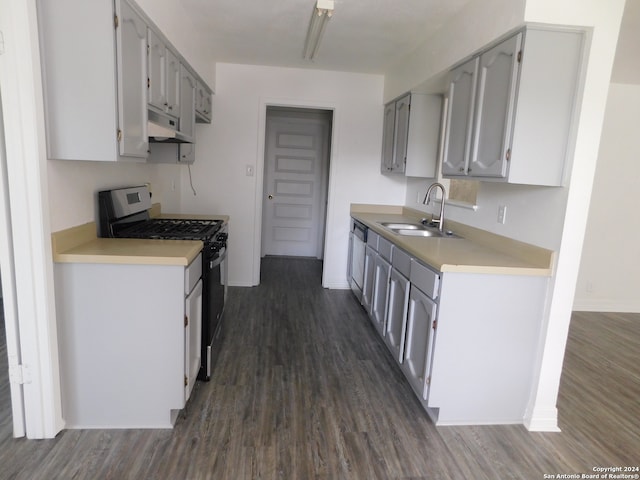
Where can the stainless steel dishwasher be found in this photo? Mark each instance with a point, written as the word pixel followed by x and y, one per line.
pixel 357 244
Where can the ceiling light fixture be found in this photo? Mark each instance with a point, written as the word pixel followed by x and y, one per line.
pixel 322 12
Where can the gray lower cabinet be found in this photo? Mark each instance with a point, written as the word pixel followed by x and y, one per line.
pixel 382 272
pixel 369 269
pixel 130 363
pixel 466 342
pixel 397 314
pixel 420 332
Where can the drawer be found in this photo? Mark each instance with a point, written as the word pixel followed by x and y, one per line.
pixel 424 279
pixel 372 239
pixel 401 261
pixel 192 274
pixel 384 248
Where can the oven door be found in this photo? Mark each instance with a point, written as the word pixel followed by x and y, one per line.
pixel 214 284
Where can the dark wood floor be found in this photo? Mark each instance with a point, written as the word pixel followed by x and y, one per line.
pixel 305 389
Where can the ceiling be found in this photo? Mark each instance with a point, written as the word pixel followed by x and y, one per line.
pixel 363 36
pixel 366 36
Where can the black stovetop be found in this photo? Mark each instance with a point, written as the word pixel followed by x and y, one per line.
pixel 171 229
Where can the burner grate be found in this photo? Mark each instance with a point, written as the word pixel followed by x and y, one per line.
pixel 169 228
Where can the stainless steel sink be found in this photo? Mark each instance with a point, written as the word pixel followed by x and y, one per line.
pixel 417 230
pixel 429 232
pixel 403 226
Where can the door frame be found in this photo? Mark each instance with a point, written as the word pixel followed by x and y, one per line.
pixel 260 167
pixel 323 180
pixel 26 190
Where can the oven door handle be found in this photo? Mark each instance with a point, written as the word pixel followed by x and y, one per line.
pixel 219 258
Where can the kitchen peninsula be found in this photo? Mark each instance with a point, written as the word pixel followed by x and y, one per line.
pixel 462 316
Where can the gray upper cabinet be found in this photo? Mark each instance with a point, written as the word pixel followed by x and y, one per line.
pixel 97 95
pixel 131 48
pixel 387 136
pixel 411 128
pixel 188 87
pixel 462 94
pixel 164 76
pixel 203 104
pixel 94 110
pixel 497 81
pixel 511 108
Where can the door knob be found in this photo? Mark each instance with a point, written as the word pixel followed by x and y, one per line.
pixel 270 197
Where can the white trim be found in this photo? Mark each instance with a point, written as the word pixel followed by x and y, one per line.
pixel 604 305
pixel 542 420
pixel 262 123
pixel 9 291
pixel 23 110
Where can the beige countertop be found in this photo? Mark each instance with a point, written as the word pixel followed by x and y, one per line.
pixel 81 245
pixel 477 251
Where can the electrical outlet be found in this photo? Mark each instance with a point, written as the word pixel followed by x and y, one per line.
pixel 502 214
pixel 418 197
pixel 589 287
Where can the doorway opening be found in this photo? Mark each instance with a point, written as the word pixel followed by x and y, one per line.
pixel 296 181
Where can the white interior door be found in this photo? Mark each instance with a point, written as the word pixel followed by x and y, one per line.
pixel 295 182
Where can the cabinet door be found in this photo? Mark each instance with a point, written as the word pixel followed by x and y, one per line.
pixel 457 143
pixel 157 65
pixel 380 293
pixel 398 305
pixel 131 56
pixel 203 104
pixel 495 109
pixel 419 341
pixel 369 269
pixel 388 129
pixel 401 133
pixel 173 84
pixel 187 102
pixel 192 338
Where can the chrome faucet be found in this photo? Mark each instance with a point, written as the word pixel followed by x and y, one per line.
pixel 427 199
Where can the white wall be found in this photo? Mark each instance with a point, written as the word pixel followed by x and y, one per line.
pixel 477 24
pixel 609 274
pixel 73 187
pixel 237 140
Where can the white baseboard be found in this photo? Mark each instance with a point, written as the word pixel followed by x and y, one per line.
pixel 336 284
pixel 542 420
pixel 596 305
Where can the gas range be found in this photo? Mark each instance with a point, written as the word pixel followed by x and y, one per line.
pixel 124 213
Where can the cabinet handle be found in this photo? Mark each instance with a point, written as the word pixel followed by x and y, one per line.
pixel 461 169
pixel 507 155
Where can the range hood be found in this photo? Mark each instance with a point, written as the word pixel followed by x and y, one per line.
pixel 161 128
